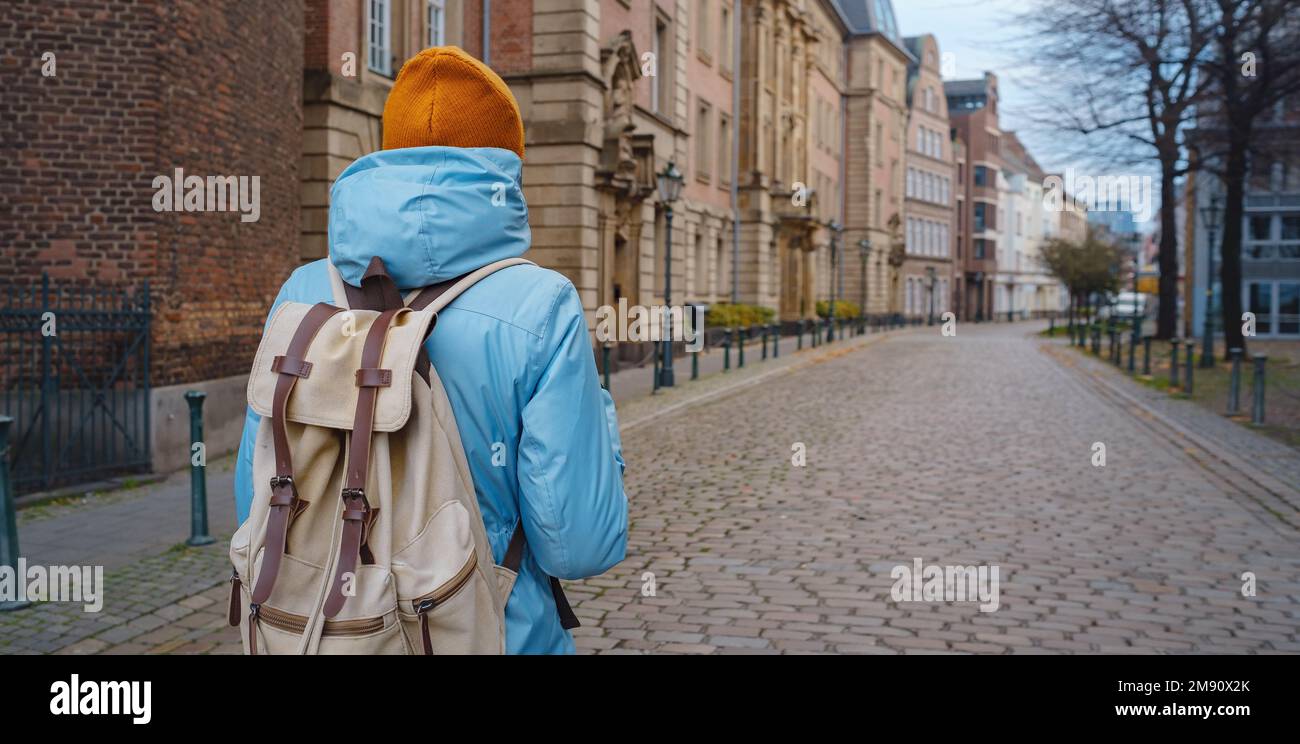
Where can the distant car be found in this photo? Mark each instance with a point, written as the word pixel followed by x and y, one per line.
pixel 1125 305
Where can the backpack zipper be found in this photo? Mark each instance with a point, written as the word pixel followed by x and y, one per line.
pixel 425 604
pixel 297 624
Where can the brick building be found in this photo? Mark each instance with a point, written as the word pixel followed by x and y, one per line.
pixel 973 112
pixel 102 99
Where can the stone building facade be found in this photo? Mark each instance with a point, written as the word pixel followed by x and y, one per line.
pixel 876 112
pixel 929 234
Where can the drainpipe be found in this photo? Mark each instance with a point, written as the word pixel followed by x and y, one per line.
pixel 736 82
pixel 487 32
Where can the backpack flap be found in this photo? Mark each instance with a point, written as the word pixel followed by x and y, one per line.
pixel 326 393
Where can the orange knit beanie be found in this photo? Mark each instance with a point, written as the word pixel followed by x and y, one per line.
pixel 445 97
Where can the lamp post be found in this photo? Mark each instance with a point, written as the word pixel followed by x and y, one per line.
pixel 670 187
pixel 835 229
pixel 864 252
pixel 929 273
pixel 1211 214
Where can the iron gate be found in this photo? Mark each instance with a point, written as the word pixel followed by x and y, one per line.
pixel 75 378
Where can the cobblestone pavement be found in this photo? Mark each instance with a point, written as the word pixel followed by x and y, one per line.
pixel 968 450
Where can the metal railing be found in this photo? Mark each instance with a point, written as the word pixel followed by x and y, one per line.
pixel 74 376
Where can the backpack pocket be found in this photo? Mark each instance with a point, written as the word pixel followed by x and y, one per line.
pixel 446 603
pixel 368 625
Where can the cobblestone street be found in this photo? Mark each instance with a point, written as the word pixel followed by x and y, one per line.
pixel 966 450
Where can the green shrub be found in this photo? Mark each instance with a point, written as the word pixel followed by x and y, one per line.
pixel 727 315
pixel 843 309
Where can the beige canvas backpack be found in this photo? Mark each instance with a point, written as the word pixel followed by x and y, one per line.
pixel 364 535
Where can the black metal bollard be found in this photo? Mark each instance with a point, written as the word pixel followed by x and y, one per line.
pixel 762 331
pixel 1051 326
pixel 776 340
pixel 726 349
pixel 1257 410
pixel 695 364
pixel 1132 351
pixel 8 517
pixel 1173 363
pixel 799 335
pixel 740 337
pixel 1234 382
pixel 1096 340
pixel 1146 356
pixel 198 473
pixel 1190 348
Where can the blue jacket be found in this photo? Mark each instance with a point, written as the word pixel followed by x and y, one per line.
pixel 513 353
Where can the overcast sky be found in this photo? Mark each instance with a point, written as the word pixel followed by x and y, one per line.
pixel 986 35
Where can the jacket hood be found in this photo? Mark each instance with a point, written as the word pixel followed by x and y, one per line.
pixel 431 213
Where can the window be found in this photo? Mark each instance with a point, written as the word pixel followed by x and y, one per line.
pixel 1291 228
pixel 659 91
pixel 980 248
pixel 724 149
pixel 981 176
pixel 703 10
pixel 703 139
pixel 1261 228
pixel 911 183
pixel 920 139
pixel 979 219
pixel 880 144
pixel 879 212
pixel 929 100
pixel 724 36
pixel 379 30
pixel 437 22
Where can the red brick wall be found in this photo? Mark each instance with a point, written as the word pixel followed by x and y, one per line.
pixel 512 35
pixel 143 88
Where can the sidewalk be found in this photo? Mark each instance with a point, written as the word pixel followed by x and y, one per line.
pixel 162 596
pixel 1252 452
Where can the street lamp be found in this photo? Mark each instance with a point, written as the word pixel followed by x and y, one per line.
pixel 670 187
pixel 1211 214
pixel 835 229
pixel 864 252
pixel 929 272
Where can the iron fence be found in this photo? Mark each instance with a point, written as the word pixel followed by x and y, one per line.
pixel 75 378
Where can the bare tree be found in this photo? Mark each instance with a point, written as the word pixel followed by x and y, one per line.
pixel 1129 74
pixel 1252 69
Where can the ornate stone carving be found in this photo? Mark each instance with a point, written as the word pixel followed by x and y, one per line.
pixel 621 71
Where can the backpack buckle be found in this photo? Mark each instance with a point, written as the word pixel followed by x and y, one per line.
pixel 278 482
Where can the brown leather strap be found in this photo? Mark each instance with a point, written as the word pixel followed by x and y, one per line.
pixel 284 494
pixel 378 291
pixel 355 506
pixel 371 377
pixel 291 366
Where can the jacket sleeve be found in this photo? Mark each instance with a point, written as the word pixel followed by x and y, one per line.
pixel 244 458
pixel 570 470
